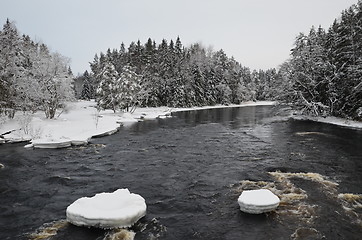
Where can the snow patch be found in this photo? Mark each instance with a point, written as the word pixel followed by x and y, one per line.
pixel 107 210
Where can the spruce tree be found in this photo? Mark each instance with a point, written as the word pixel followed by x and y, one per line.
pixel 128 89
pixel 10 70
pixel 107 90
pixel 87 88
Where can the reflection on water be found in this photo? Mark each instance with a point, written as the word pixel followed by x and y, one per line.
pixel 191 169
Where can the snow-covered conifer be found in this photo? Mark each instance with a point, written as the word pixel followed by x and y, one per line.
pixel 10 67
pixel 87 88
pixel 107 90
pixel 129 87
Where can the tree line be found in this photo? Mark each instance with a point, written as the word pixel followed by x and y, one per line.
pixel 322 77
pixel 31 77
pixel 169 74
pixel 324 73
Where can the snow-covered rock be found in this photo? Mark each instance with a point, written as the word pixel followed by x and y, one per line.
pixel 107 210
pixel 258 201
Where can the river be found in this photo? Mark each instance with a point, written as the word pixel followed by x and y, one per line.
pixel 191 168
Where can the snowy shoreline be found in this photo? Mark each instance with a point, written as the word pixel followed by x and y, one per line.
pixel 81 121
pixel 342 122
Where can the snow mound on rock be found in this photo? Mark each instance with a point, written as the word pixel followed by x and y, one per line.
pixel 258 201
pixel 107 210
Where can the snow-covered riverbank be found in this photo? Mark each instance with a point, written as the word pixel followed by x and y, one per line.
pixel 332 120
pixel 81 121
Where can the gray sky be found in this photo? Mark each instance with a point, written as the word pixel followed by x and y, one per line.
pixel 258 33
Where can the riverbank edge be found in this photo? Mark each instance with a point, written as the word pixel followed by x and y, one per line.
pixel 342 122
pixel 114 121
pixel 109 124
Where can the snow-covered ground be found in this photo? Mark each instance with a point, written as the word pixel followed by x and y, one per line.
pixel 81 121
pixel 332 120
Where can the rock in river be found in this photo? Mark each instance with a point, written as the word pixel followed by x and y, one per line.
pixel 258 201
pixel 107 210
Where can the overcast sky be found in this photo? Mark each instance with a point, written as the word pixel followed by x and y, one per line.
pixel 258 33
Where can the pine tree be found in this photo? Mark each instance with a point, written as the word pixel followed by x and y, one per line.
pixel 178 47
pixel 210 91
pixel 87 88
pixel 10 71
pixel 27 97
pixel 128 89
pixel 107 90
pixel 199 87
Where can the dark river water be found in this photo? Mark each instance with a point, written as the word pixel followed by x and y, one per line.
pixel 191 169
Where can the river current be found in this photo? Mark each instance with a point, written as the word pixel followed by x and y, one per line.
pixel 191 168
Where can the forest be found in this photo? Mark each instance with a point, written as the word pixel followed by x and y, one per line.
pixel 31 77
pixel 324 72
pixel 168 74
pixel 322 77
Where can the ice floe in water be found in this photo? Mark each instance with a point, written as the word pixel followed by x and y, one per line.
pixel 107 210
pixel 258 201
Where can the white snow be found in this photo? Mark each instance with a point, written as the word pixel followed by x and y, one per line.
pixel 81 122
pixel 332 120
pixel 107 210
pixel 245 104
pixel 258 201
